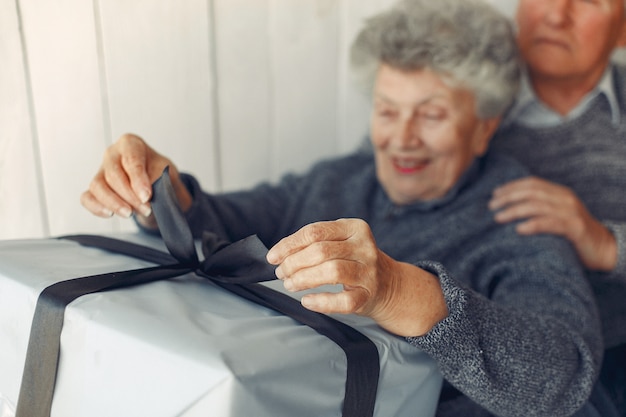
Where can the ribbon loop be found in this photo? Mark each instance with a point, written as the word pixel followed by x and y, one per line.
pixel 242 262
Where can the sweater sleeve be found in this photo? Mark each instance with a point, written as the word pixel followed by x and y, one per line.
pixel 272 211
pixel 528 345
pixel 264 210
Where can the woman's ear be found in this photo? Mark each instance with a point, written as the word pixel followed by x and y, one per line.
pixel 484 134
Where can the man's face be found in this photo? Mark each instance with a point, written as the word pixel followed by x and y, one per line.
pixel 569 38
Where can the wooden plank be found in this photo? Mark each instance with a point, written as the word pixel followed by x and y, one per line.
pixel 61 48
pixel 354 103
pixel 245 91
pixel 22 214
pixel 304 65
pixel 279 76
pixel 158 79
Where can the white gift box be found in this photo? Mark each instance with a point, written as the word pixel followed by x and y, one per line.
pixel 185 347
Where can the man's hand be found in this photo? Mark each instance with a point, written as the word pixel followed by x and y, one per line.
pixel 547 207
pixel 401 298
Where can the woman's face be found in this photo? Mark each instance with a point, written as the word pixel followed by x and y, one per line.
pixel 425 134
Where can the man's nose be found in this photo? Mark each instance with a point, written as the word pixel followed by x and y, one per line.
pixel 557 11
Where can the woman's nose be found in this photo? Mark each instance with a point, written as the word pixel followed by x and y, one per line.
pixel 408 133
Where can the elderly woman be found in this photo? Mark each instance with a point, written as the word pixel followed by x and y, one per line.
pixel 404 224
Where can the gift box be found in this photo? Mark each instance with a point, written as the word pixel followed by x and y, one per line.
pixel 186 347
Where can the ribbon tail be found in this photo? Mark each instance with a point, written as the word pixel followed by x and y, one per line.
pixel 44 343
pixel 363 363
pixel 172 223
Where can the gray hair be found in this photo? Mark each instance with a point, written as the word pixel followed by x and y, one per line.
pixel 468 42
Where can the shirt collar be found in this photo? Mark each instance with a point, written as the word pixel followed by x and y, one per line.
pixel 529 111
pixel 607 87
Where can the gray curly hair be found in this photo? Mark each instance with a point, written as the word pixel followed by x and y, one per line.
pixel 468 42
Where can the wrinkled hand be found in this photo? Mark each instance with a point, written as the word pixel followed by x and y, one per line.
pixel 547 207
pixel 123 184
pixel 400 297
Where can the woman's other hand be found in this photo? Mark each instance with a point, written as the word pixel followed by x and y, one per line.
pixel 402 298
pixel 123 184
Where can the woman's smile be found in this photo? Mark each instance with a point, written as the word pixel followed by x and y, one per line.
pixel 407 166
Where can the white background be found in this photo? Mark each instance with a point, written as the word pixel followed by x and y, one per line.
pixel 234 91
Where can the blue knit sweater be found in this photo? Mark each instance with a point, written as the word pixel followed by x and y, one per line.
pixel 587 154
pixel 522 336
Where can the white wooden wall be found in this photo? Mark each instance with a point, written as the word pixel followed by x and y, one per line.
pixel 234 91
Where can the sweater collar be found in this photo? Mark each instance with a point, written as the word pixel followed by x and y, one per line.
pixel 528 110
pixel 466 179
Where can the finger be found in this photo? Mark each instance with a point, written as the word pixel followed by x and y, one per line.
pixel 344 302
pixel 524 210
pixel 316 254
pixel 116 187
pixel 108 198
pixel 332 272
pixel 134 154
pixel 93 205
pixel 307 235
pixel 530 188
pixel 543 224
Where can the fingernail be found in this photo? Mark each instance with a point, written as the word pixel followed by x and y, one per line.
pixel 306 302
pixel 279 273
pixel 107 212
pixel 144 195
pixel 125 212
pixel 288 285
pixel 145 210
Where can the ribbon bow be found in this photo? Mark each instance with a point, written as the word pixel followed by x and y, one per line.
pixel 236 267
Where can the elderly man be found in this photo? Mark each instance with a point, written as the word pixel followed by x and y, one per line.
pixel 404 226
pixel 568 126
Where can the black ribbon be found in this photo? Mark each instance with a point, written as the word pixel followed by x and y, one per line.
pixel 236 267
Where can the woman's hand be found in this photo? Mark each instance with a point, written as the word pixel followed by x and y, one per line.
pixel 123 184
pixel 547 207
pixel 400 297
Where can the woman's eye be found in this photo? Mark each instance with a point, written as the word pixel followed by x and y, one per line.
pixel 433 115
pixel 387 114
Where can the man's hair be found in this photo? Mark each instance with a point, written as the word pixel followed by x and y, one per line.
pixel 467 42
